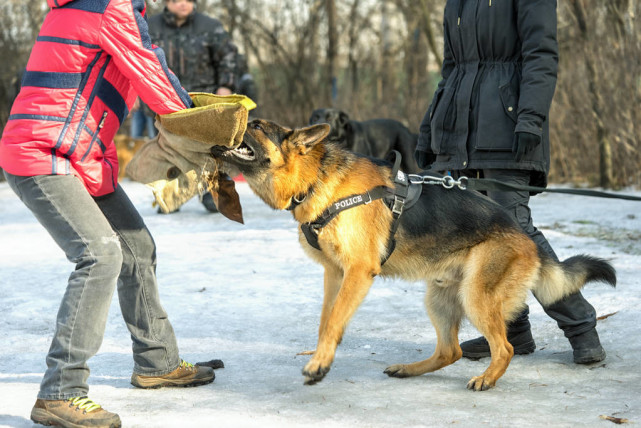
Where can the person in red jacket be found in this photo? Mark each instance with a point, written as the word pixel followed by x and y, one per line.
pixel 90 60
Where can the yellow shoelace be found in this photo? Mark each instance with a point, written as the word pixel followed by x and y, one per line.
pixel 184 363
pixel 84 403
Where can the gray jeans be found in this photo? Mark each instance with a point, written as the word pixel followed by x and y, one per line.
pixel 110 245
pixel 574 315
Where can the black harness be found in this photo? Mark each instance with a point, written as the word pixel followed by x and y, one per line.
pixel 402 197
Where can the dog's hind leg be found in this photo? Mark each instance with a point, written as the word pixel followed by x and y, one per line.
pixel 356 283
pixel 494 289
pixel 446 312
pixel 492 325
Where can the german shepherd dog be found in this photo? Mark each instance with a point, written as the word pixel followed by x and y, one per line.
pixel 374 137
pixel 475 259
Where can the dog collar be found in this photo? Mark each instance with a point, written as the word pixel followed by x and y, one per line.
pixel 296 200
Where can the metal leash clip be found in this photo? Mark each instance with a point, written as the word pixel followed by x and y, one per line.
pixel 446 181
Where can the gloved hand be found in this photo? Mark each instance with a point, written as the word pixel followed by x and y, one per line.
pixel 424 158
pixel 524 143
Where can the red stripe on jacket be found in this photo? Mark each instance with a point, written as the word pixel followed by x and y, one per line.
pixel 58 130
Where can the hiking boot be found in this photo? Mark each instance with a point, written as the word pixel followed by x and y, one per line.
pixel 522 342
pixel 72 413
pixel 185 375
pixel 587 348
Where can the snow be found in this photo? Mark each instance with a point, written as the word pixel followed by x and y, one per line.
pixel 248 295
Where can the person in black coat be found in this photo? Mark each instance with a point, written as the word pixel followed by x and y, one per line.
pixel 489 118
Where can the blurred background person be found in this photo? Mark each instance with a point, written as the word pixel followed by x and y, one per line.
pixel 142 120
pixel 198 50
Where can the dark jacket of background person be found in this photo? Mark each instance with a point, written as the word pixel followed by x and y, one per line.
pixel 245 84
pixel 200 51
pixel 499 76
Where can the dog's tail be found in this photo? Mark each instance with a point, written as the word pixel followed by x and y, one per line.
pixel 560 279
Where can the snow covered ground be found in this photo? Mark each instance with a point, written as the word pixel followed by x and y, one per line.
pixel 249 296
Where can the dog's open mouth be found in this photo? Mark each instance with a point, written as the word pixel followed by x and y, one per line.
pixel 244 152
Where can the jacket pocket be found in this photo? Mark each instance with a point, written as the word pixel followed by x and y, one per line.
pixel 496 115
pixel 95 135
pixel 509 99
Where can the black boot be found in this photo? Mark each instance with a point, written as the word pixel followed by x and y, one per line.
pixel 587 348
pixel 208 203
pixel 577 318
pixel 518 334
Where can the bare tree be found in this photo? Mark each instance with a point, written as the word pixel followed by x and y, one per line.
pixel 383 58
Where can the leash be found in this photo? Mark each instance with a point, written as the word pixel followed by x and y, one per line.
pixel 484 184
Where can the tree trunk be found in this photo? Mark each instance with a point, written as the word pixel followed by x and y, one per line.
pixel 605 146
pixel 332 42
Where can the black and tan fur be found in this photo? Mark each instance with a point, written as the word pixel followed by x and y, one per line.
pixel 475 259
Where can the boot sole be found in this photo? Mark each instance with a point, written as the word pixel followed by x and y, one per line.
pixel 590 359
pixel 43 417
pixel 154 385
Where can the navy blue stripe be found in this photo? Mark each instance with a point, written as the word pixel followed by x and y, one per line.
pixel 112 99
pixel 87 73
pixel 56 3
pixel 37 117
pixel 143 29
pixel 48 79
pixel 99 82
pixel 87 129
pixel 113 183
pixel 95 6
pixel 93 138
pixel 66 41
pixel 100 143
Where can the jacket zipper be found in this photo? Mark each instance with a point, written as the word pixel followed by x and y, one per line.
pixel 95 135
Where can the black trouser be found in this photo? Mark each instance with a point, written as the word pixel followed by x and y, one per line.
pixel 573 314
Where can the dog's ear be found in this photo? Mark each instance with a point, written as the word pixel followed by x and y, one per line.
pixel 306 138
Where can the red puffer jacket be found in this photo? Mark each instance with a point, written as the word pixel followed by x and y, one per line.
pixel 89 61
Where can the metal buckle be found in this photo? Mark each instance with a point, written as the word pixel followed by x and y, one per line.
pixel 397 208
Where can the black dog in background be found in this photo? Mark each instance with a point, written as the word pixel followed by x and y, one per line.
pixel 375 137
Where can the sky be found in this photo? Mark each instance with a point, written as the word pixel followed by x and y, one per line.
pixel 248 295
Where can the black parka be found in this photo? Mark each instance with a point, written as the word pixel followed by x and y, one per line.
pixel 499 75
pixel 200 52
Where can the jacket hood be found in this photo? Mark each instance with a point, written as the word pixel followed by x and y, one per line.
pixel 58 3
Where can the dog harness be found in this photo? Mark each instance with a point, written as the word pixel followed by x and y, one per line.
pixel 402 197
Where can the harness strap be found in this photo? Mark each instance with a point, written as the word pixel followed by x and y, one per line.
pixel 394 198
pixel 311 229
pixel 396 201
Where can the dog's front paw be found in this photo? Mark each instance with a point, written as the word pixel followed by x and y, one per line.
pixel 397 370
pixel 480 383
pixel 314 372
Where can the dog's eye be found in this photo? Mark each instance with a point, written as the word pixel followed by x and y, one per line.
pixel 257 127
